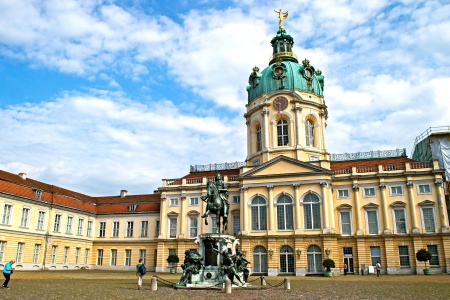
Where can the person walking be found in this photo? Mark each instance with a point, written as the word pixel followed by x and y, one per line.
pixel 140 272
pixel 378 267
pixel 7 271
pixel 345 269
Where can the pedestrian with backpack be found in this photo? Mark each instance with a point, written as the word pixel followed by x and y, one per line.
pixel 140 272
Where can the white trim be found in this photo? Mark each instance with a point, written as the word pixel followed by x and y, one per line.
pixel 391 193
pixel 423 220
pixel 198 202
pixel 424 193
pixel 369 196
pixel 367 221
pixel 168 227
pixel 190 218
pixel 112 228
pixel 343 197
pixel 340 221
pixel 126 229
pixel 395 221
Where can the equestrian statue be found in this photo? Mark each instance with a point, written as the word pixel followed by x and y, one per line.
pixel 217 202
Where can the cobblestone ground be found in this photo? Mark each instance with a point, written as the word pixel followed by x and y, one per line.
pixel 94 284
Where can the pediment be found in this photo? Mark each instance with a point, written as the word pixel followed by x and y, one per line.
pixel 344 206
pixel 283 165
pixel 427 203
pixel 398 204
pixel 371 205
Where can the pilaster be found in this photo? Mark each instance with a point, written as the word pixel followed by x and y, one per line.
pixel 412 209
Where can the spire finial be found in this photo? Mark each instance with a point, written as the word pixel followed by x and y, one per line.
pixel 282 16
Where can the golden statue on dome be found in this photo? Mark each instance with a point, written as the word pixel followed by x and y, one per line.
pixel 282 16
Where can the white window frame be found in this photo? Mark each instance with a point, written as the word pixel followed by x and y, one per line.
pixel 7 213
pixel 113 260
pixel 99 257
pixel 343 196
pixel 393 190
pixel 314 158
pixel 115 230
pixel 127 257
pixel 129 230
pixel 372 257
pixel 400 255
pixel 173 202
pixel 19 254
pixel 369 196
pixel 283 136
pixel 2 250
pixel 157 228
pixel 37 250
pixel 236 199
pixel 143 255
pixel 41 220
pixel 171 219
pixel 419 192
pixel 25 218
pixel 80 226
pixel 86 255
pixel 69 224
pixel 66 255
pixel 53 254
pixel 89 228
pixel 57 223
pixel 144 229
pixel 434 255
pixel 77 255
pixel 395 220
pixel 102 229
pixel 193 201
pixel 423 220
pixel 236 216
pixel 213 224
pixel 191 219
pixel 367 221
pixel 340 222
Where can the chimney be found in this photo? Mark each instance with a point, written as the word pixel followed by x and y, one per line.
pixel 123 193
pixel 23 175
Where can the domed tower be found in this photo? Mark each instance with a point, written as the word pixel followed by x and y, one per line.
pixel 286 111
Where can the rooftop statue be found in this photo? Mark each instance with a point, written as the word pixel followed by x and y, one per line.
pixel 217 202
pixel 282 16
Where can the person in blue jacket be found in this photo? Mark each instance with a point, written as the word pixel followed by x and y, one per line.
pixel 7 271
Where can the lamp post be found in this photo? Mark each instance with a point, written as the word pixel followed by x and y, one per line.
pixel 299 252
pixel 327 252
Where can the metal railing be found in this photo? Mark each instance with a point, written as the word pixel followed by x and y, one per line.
pixel 369 155
pixel 217 167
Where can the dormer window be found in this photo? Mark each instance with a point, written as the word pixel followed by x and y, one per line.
pixel 132 207
pixel 37 194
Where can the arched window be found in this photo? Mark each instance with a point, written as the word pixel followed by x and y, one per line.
pixel 314 259
pixel 285 216
pixel 282 133
pixel 309 133
pixel 286 260
pixel 258 138
pixel 260 260
pixel 311 209
pixel 259 213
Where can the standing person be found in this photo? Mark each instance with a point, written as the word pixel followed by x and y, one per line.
pixel 345 269
pixel 7 271
pixel 140 272
pixel 378 267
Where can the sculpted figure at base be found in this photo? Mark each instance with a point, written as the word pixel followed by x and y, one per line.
pixel 229 266
pixel 241 264
pixel 192 265
pixel 217 202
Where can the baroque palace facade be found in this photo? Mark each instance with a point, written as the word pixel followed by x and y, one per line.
pixel 292 204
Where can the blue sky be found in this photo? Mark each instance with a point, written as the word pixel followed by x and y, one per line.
pixel 99 96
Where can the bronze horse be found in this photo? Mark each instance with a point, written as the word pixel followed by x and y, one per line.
pixel 215 206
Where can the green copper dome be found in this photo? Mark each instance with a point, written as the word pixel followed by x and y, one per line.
pixel 284 72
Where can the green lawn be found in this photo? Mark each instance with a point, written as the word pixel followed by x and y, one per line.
pixel 94 284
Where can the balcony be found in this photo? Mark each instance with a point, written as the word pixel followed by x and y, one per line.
pixel 196 180
pixel 386 168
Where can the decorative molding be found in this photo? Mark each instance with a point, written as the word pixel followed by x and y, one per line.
pixel 438 182
pixel 296 186
pixel 265 111
pixel 269 187
pixel 382 186
pixel 427 203
pixel 370 205
pixel 356 187
pixel 410 184
pixel 344 206
pixel 398 204
pixel 369 155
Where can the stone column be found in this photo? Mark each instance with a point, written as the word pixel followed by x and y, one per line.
pixel 298 216
pixel 249 138
pixel 412 208
pixel 442 207
pixel 324 206
pixel 271 214
pixel 182 216
pixel 297 110
pixel 163 218
pixel 265 113
pixel 359 230
pixel 387 229
pixel 244 210
pixel 331 208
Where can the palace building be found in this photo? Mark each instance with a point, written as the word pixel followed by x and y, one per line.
pixel 292 203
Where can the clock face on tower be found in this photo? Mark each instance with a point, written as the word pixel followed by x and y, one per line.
pixel 280 103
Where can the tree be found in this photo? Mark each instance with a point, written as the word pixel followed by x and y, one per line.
pixel 328 263
pixel 173 259
pixel 423 255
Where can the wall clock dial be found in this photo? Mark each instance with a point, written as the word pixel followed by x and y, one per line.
pixel 280 103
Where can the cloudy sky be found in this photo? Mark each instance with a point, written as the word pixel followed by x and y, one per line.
pixel 98 96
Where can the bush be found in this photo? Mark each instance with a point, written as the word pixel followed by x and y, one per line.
pixel 328 263
pixel 173 259
pixel 423 255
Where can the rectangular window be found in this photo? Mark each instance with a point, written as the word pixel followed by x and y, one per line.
pixel 69 224
pixel 53 255
pixel 19 252
pixel 86 256
pixel 7 211
pixel 428 219
pixel 37 249
pixel 403 254
pixel 396 190
pixel 66 255
pixel 369 192
pixel 57 224
pixel 143 255
pixel 144 228
pixel 173 227
pixel 236 199
pixel 375 255
pixel 89 229
pixel 236 225
pixel 343 194
pixel 193 201
pixel 80 227
pixel 372 221
pixel 174 202
pixel 99 257
pixel 115 231
pixel 156 228
pixel 101 229
pixel 346 224
pixel 127 257
pixel 314 158
pixel 77 255
pixel 25 217
pixel 434 261
pixel 2 250
pixel 40 221
pixel 193 226
pixel 113 257
pixel 172 251
pixel 400 220
pixel 129 232
pixel 424 189
pixel 213 223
